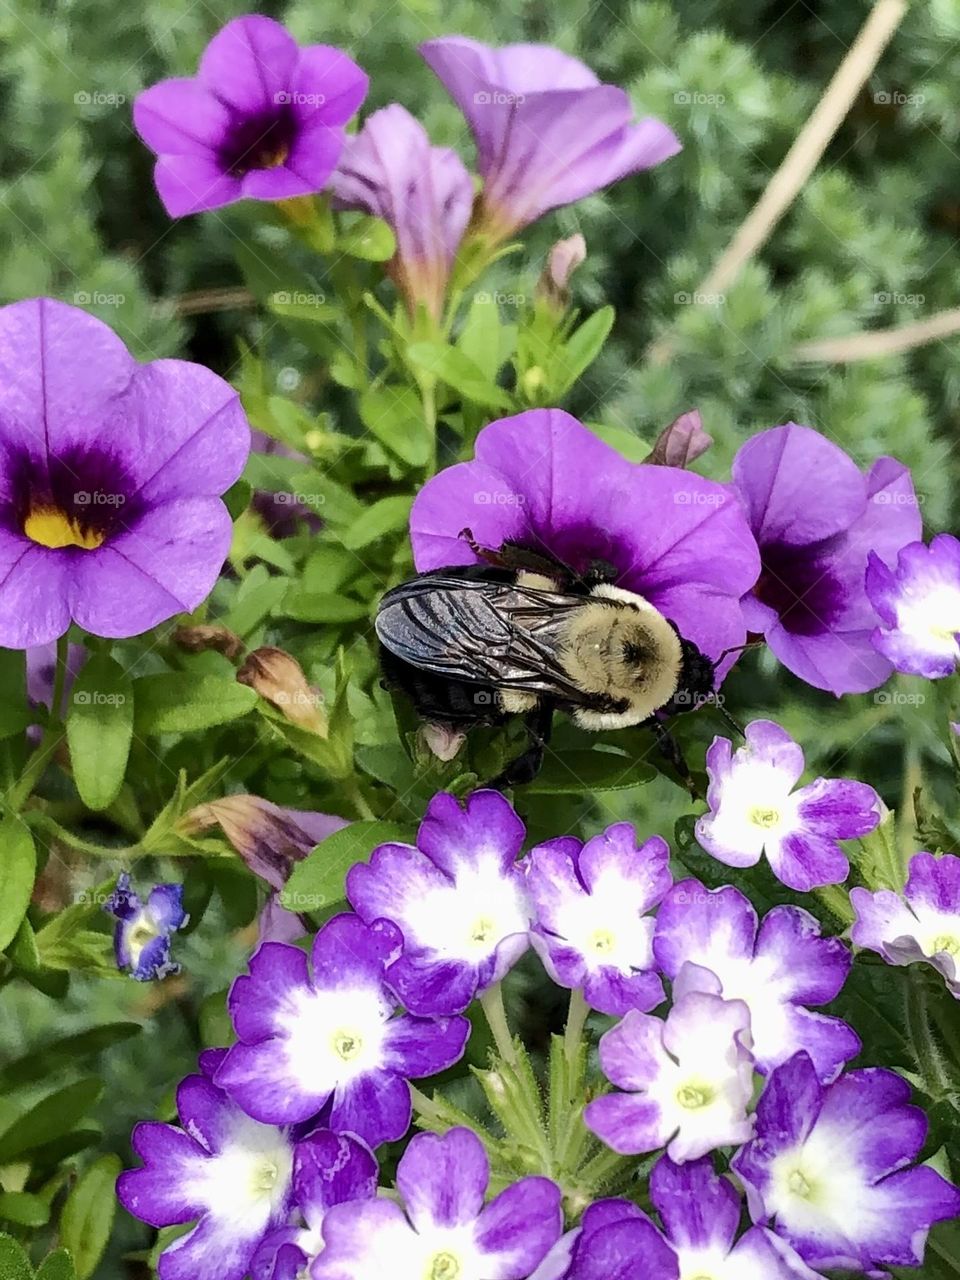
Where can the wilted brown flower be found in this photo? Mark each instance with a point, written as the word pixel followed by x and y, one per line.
pixel 681 443
pixel 278 677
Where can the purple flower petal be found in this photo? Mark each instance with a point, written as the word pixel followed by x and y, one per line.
pixel 443 1180
pixel 249 62
pixel 417 1047
pixel 698 1210
pixel 515 1230
pixel 375 1106
pixel 161 1193
pixel 919 607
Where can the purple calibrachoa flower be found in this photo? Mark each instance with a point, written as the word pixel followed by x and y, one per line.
pixel 141 939
pixel 543 479
pixel 776 967
pixel 424 192
pixel 828 1169
pixel 590 904
pixel 227 1172
pixel 817 517
pixel 262 119
pixel 615 1241
pixel 328 1168
pixel 332 1041
pixel 458 898
pixel 110 478
pixel 689 1079
pixel 754 810
pixel 919 607
pixel 447 1232
pixel 923 924
pixel 547 131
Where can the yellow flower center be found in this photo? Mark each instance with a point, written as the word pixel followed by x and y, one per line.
pixel 273 158
pixel 347 1045
pixel 265 1176
pixel 799 1185
pixel 693 1097
pixel 50 527
pixel 482 930
pixel 947 942
pixel 443 1266
pixel 603 941
pixel 764 817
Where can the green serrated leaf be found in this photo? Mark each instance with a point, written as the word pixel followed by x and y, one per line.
pixel 87 1216
pixel 389 515
pixel 100 730
pixel 18 870
pixel 318 879
pixel 178 702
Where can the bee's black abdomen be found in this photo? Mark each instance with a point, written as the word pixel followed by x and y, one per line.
pixel 452 702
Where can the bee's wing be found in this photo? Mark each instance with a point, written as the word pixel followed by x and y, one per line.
pixel 483 632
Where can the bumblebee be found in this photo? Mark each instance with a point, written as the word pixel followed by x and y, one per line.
pixel 522 634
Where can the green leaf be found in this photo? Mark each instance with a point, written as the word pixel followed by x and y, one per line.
pixel 368 238
pixel 395 416
pixel 321 606
pixel 177 702
pixel 57 1266
pixel 585 770
pixel 389 515
pixel 49 1118
pixel 87 1216
pixel 318 880
pixel 583 346
pixel 480 336
pixel 14 1263
pixel 23 1209
pixel 237 498
pixel 626 443
pixel 15 711
pixel 100 729
pixel 65 1052
pixel 18 871
pixel 457 370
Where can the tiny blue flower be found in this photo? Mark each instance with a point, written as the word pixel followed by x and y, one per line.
pixel 142 937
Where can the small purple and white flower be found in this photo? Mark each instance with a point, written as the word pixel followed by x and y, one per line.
pixel 328 1168
pixel 754 810
pixel 919 607
pixel 923 924
pixel 776 966
pixel 332 1041
pixel 590 905
pixel 263 119
pixel 141 939
pixel 828 1169
pixel 458 898
pixel 689 1079
pixel 229 1173
pixel 446 1232
pixel 615 1241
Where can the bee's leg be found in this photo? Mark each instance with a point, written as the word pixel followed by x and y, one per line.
pixel 670 750
pixel 525 767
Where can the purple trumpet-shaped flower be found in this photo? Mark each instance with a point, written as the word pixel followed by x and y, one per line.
pixel 110 478
pixel 817 518
pixel 688 1080
pixel 590 904
pixel 615 1241
pixel 458 899
pixel 754 810
pixel 547 131
pixel 328 1168
pixel 776 967
pixel 543 479
pixel 424 192
pixel 331 1041
pixel 446 1230
pixel 923 924
pixel 919 607
pixel 141 940
pixel 223 1170
pixel 262 119
pixel 828 1169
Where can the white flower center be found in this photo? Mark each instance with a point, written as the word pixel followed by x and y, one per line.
pixel 694 1096
pixel 469 919
pixel 141 931
pixel 819 1188
pixel 443 1266
pixel 934 613
pixel 244 1186
pixel 333 1036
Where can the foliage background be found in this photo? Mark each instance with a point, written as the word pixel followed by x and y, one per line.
pixel 870 243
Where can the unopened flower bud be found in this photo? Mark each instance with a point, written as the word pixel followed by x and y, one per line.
pixel 198 639
pixel 681 443
pixel 564 258
pixel 278 677
pixel 442 740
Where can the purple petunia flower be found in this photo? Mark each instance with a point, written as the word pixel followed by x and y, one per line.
pixel 924 924
pixel 328 1169
pixel 689 1079
pixel 547 131
pixel 754 810
pixel 919 607
pixel 262 119
pixel 458 898
pixel 229 1172
pixel 590 903
pixel 817 518
pixel 446 1231
pixel 331 1041
pixel 141 940
pixel 615 1241
pixel 828 1169
pixel 424 192
pixel 543 479
pixel 110 476
pixel 776 967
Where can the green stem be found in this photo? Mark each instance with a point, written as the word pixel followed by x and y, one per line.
pixel 493 1008
pixel 51 738
pixel 428 399
pixel 573 1033
pixel 351 789
pixel 935 1079
pixel 423 1105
